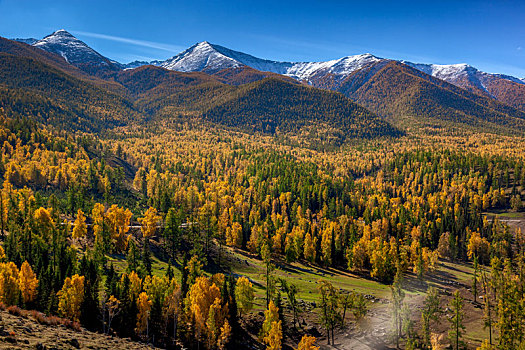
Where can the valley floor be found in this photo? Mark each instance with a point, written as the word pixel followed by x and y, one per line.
pixel 375 331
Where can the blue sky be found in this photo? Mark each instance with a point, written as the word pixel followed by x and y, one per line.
pixel 487 34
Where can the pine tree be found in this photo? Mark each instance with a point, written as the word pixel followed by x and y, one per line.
pixel 146 256
pixel 475 279
pixel 398 297
pixel 89 309
pixel 487 309
pixel 330 316
pixel 456 322
pixel 267 259
pixel 431 312
pixel 133 256
pixel 291 293
pixel 172 231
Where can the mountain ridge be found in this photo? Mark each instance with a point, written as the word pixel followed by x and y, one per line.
pixel 212 57
pixel 440 93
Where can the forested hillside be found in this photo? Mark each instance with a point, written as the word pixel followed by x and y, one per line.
pixel 397 91
pixel 34 89
pixel 241 209
pixel 273 105
pixel 23 50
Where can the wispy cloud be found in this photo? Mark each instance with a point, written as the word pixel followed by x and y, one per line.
pixel 144 43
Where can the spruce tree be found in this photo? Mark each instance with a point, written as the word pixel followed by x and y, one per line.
pixel 456 322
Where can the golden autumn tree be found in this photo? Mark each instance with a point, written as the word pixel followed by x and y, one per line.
pixel 156 287
pixel 70 297
pixel 9 286
pixel 244 295
pixel 148 223
pixel 2 254
pixel 27 282
pixel 224 337
pixel 194 269
pixel 201 297
pixel 216 317
pixel 144 308
pixel 309 248
pixel 478 246
pixel 234 235
pixel 99 214
pixel 307 343
pixel 135 285
pixel 119 219
pixel 44 221
pixel 271 315
pixel 79 227
pixel 274 337
pixel 172 304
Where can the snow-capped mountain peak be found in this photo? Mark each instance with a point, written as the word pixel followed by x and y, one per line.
pixel 462 75
pixel 200 57
pixel 71 49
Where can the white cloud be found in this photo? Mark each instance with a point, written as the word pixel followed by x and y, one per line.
pixel 144 43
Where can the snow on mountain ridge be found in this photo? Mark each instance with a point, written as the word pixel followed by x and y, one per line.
pixel 28 41
pixel 342 66
pixel 442 71
pixel 72 49
pixel 204 56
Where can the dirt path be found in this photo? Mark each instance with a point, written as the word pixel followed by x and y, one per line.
pixel 513 222
pixel 374 333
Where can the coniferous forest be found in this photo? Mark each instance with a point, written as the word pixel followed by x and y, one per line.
pixel 239 209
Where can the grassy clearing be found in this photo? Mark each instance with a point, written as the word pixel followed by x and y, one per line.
pixel 158 267
pixel 506 214
pixel 448 277
pixel 305 277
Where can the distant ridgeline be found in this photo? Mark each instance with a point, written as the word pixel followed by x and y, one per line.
pixel 89 92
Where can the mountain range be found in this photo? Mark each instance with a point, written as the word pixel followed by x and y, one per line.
pixel 406 94
pixel 208 57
